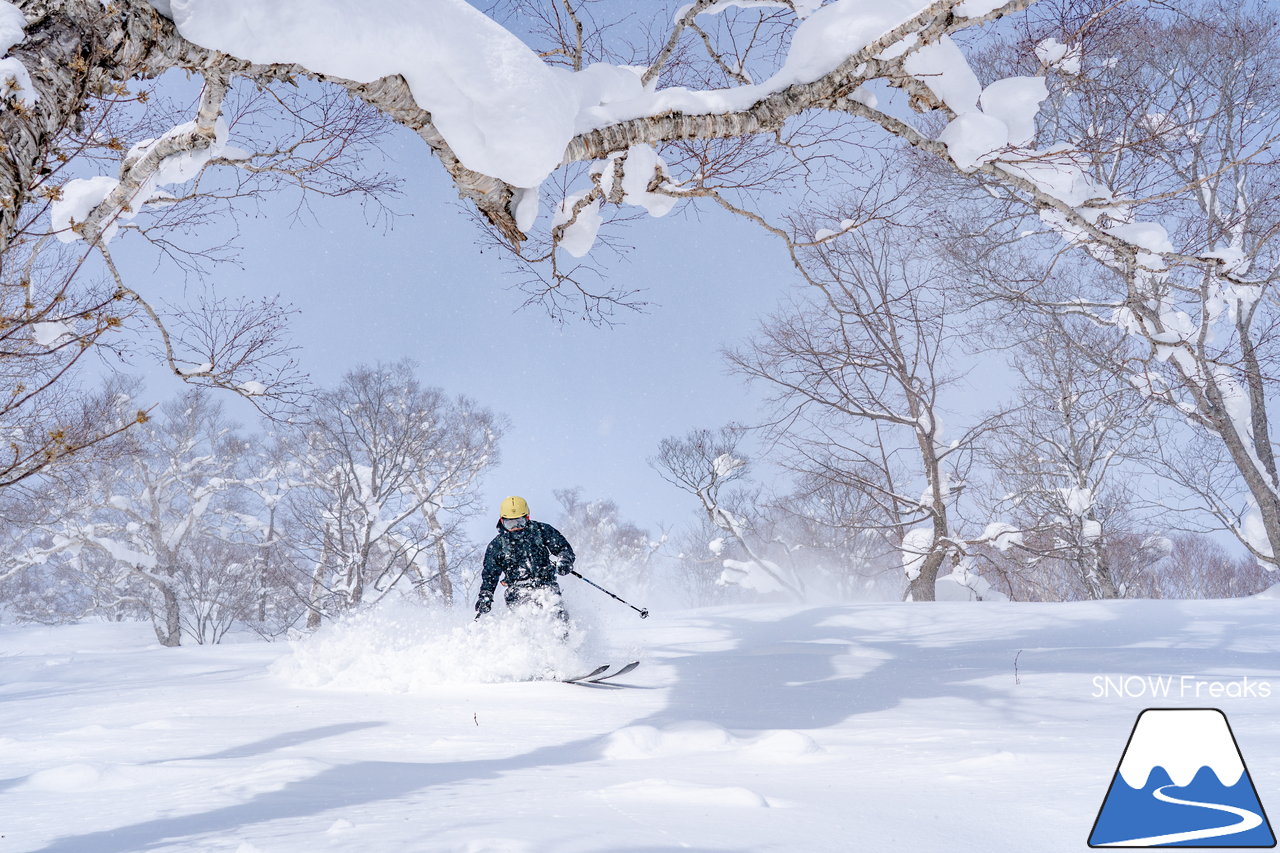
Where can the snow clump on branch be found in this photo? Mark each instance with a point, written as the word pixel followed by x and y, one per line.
pixel 1001 535
pixel 505 112
pixel 82 196
pixel 15 81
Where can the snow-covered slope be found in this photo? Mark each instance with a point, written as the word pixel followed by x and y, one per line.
pixel 878 727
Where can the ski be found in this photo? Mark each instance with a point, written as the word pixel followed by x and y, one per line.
pixel 597 678
pixel 623 671
pixel 588 676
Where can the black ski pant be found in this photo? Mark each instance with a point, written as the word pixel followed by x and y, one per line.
pixel 541 596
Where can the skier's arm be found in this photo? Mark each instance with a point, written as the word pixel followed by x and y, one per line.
pixel 489 577
pixel 561 551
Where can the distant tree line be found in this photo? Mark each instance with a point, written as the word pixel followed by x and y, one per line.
pixel 188 521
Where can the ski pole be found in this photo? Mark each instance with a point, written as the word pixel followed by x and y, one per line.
pixel 644 614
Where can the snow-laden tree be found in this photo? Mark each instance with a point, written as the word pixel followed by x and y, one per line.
pixel 1065 458
pixel 1179 115
pixel 280 582
pixel 152 526
pixel 34 587
pixel 732 100
pixel 711 466
pixel 64 122
pixel 499 117
pixel 387 470
pixel 857 375
pixel 693 570
pixel 610 550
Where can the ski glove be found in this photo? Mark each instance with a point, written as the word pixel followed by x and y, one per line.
pixel 483 603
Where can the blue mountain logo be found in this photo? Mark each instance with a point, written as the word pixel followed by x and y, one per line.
pixel 1182 782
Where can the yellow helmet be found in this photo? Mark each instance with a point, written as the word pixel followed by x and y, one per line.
pixel 514 507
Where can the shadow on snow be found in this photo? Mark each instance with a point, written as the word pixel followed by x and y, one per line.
pixel 781 675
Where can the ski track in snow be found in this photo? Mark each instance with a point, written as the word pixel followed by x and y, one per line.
pixel 764 728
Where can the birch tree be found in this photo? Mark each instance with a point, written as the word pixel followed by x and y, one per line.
pixel 1066 456
pixel 1182 122
pixel 753 75
pixel 78 103
pixel 856 378
pixel 145 524
pixel 388 467
pixel 707 464
pixel 610 110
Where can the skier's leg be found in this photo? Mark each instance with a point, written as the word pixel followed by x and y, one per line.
pixel 547 599
pixel 556 603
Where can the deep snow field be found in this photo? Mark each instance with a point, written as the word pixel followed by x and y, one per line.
pixel 887 727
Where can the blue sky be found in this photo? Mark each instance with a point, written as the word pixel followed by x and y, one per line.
pixel 587 404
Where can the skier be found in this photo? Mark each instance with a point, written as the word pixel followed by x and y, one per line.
pixel 525 556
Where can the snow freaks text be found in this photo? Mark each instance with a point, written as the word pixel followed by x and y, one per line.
pixel 1178 687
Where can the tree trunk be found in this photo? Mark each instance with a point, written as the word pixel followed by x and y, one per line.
pixel 355 577
pixel 170 634
pixel 1100 584
pixel 1267 500
pixel 923 585
pixel 442 559
pixel 922 588
pixel 264 571
pixel 1242 450
pixel 1253 377
pixel 317 586
pixel 77 48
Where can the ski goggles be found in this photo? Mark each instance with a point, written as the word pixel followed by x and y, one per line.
pixel 515 523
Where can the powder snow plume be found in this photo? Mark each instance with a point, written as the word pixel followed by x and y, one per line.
pixel 400 647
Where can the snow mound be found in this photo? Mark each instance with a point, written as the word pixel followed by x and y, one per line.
pixel 93 731
pixel 783 745
pixel 687 794
pixel 82 776
pixel 1003 758
pixel 965 584
pixel 341 826
pixel 400 647
pixel 678 739
pixel 85 638
pixel 685 738
pixel 160 725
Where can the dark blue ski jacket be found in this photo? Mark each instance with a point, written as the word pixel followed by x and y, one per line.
pixel 522 559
